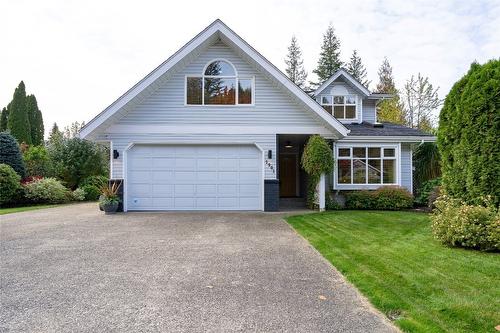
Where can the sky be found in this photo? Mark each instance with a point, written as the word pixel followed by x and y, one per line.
pixel 77 57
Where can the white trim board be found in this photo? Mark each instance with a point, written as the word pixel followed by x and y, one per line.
pixel 214 29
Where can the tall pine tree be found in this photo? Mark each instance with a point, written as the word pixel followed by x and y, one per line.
pixel 329 58
pixel 18 120
pixel 356 68
pixel 36 121
pixel 390 110
pixel 4 119
pixel 295 64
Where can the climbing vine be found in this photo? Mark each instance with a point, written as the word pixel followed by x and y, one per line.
pixel 316 160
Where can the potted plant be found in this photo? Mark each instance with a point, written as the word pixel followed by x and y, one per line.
pixel 109 198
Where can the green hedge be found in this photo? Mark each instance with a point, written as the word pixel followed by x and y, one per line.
pixel 384 198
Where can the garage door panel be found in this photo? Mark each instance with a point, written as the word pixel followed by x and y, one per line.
pixel 194 177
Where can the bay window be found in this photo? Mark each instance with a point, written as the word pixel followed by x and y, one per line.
pixel 219 85
pixel 366 165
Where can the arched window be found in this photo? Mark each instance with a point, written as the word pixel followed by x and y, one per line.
pixel 219 85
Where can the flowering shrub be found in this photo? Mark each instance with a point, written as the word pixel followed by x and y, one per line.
pixel 30 179
pixel 384 198
pixel 455 223
pixel 47 190
pixel 79 194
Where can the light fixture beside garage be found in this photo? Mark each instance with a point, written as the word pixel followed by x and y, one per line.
pixel 116 154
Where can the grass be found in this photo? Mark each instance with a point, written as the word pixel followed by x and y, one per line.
pixel 10 210
pixel 393 260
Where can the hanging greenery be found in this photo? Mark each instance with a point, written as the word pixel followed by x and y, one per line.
pixel 316 160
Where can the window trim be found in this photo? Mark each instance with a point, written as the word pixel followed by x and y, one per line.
pixel 332 96
pixel 366 185
pixel 236 77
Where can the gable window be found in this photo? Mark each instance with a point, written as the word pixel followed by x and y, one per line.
pixel 358 165
pixel 219 85
pixel 340 106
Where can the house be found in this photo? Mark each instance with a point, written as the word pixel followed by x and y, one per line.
pixel 219 127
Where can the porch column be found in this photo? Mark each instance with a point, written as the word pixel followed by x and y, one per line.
pixel 322 193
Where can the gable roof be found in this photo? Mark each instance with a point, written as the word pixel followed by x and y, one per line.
pixel 217 28
pixel 342 72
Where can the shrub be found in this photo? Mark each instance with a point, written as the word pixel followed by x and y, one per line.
pixel 330 203
pixel 92 192
pixel 47 190
pixel 10 154
pixel 98 181
pixel 9 184
pixel 76 159
pixel 37 161
pixel 79 194
pixel 433 196
pixel 469 124
pixel 425 190
pixel 456 223
pixel 316 160
pixel 384 198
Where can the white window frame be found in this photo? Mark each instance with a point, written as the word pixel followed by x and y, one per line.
pixel 236 77
pixel 366 185
pixel 332 96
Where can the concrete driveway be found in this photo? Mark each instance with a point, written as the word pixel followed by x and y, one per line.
pixel 71 268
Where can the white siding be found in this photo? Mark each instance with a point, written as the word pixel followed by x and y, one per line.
pixel 264 141
pixel 166 106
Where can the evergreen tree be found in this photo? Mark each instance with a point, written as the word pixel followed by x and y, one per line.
pixel 329 58
pixel 356 68
pixel 390 110
pixel 386 79
pixel 18 120
pixel 4 120
pixel 55 135
pixel 36 121
pixel 10 154
pixel 295 64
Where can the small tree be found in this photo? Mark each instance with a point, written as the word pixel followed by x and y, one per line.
pixel 317 159
pixel 10 154
pixel 421 100
pixel 356 68
pixel 18 120
pixel 55 135
pixel 329 58
pixel 295 64
pixel 468 135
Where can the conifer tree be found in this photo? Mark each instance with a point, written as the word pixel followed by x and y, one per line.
pixel 18 120
pixel 329 59
pixel 295 64
pixel 390 110
pixel 356 68
pixel 55 135
pixel 36 120
pixel 4 120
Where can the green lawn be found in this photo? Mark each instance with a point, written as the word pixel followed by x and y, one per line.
pixel 22 209
pixel 393 260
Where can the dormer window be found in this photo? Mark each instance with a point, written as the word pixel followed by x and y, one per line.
pixel 342 107
pixel 219 85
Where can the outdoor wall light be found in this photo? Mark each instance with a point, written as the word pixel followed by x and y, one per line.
pixel 288 144
pixel 269 154
pixel 116 154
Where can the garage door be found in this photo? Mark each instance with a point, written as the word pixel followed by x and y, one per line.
pixel 189 177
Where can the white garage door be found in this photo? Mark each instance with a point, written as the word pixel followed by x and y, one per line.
pixel 194 177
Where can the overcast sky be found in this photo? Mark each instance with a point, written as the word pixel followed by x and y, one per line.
pixel 77 57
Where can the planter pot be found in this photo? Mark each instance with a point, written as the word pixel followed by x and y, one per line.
pixel 110 208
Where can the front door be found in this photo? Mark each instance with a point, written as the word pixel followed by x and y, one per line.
pixel 288 175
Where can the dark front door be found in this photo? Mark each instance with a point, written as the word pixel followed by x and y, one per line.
pixel 288 175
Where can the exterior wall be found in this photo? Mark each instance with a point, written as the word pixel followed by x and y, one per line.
pixel 369 110
pixel 406 167
pixel 265 142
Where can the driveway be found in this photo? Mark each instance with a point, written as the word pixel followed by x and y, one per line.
pixel 71 268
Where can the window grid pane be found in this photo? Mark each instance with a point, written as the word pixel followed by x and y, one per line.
pixel 245 91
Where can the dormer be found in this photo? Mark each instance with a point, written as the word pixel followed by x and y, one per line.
pixel 347 99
